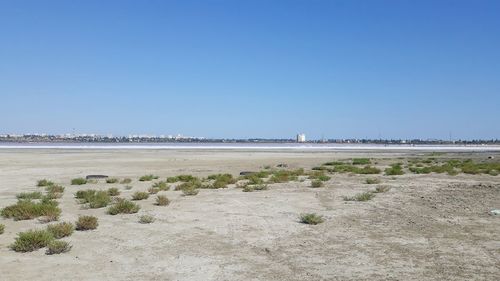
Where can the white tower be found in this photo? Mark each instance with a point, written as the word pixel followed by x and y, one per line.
pixel 301 138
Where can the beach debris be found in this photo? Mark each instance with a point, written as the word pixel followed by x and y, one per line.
pixel 282 165
pixel 491 157
pixel 96 177
pixel 246 173
pixel 495 212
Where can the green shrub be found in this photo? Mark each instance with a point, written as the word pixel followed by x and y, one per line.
pixel 161 186
pixel 2 228
pixel 113 191
pixel 44 182
pixel 78 181
pixel 333 163
pixel 60 230
pixel 372 181
pixel 57 247
pixel 191 191
pixel 255 187
pixel 311 219
pixel 29 195
pixel 148 178
pixel 111 180
pixel 189 185
pixel 86 223
pixel 95 199
pixel 126 181
pixel 27 209
pixel 395 169
pixel 31 240
pixel 54 188
pixel 162 200
pixel 146 219
pixel 382 189
pixel 123 207
pixel 316 183
pixel 140 195
pixel 254 179
pixel 286 175
pixel 365 196
pixel 361 161
pixel 226 178
pixel 153 190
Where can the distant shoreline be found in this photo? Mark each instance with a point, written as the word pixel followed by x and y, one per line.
pixel 248 146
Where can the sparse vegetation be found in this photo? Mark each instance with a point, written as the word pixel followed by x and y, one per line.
pixel 54 191
pixel 78 181
pixel 372 181
pixel 126 181
pixel 361 161
pixel 153 190
pixel 162 200
pixel 44 182
pixel 95 199
pixel 85 223
pixel 281 176
pixel 161 186
pixel 27 209
pixel 111 180
pixel 128 187
pixel 60 230
pixel 394 170
pixel 191 191
pixel 140 195
pixel 382 189
pixel 148 178
pixel 113 191
pixel 255 187
pixel 311 219
pixel 316 183
pixel 29 195
pixel 144 219
pixel 31 240
pixel 57 247
pixel 347 168
pixel 2 228
pixel 365 196
pixel 123 207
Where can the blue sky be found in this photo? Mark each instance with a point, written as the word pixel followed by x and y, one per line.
pixel 338 69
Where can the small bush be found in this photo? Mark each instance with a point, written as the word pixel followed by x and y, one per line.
pixel 78 181
pixel 60 230
pixel 190 191
pixel 255 187
pixel 365 196
pixel 111 180
pixel 128 187
pixel 153 190
pixel 123 207
pixel 361 161
pixel 311 219
pixel 95 199
pixel 382 189
pixel 44 182
pixel 372 181
pixel 161 186
pixel 26 210
pixel 148 178
pixel 189 185
pixel 2 228
pixel 126 181
pixel 140 195
pixel 113 191
pixel 316 183
pixel 86 223
pixel 54 188
pixel 31 240
pixel 29 195
pixel 146 219
pixel 57 247
pixel 162 200
pixel 395 169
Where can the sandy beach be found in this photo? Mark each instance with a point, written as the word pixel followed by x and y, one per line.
pixel 426 227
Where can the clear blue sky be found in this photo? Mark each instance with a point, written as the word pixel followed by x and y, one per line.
pixel 391 69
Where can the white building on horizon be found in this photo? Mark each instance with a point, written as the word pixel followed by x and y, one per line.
pixel 301 138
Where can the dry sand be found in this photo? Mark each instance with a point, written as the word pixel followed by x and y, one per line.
pixel 427 227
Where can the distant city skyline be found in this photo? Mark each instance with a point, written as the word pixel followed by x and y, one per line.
pixel 242 69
